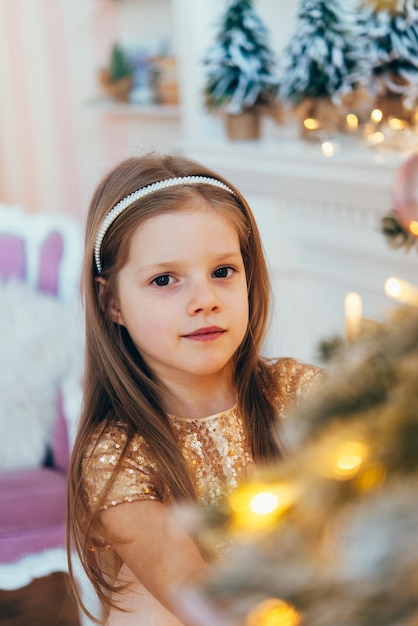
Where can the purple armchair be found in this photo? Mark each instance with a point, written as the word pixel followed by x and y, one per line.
pixel 41 356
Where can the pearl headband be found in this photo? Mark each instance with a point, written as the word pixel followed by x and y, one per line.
pixel 145 191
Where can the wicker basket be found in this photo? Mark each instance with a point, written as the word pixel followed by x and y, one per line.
pixel 242 126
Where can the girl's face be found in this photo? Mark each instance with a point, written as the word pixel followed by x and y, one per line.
pixel 182 295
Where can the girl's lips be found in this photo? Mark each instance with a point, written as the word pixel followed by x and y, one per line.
pixel 206 334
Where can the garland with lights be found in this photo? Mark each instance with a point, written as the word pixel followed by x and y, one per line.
pixel 329 535
pixel 351 67
pixel 325 63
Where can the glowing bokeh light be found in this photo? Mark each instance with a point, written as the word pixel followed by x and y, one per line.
pixel 258 506
pixel 311 123
pixel 352 121
pixel 264 502
pixel 273 612
pixel 376 116
pixel 349 456
pixel 413 227
pixel 401 290
pixel 327 148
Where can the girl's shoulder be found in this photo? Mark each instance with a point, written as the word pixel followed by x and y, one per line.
pixel 293 377
pixel 119 466
pixel 288 369
pixel 111 435
pixel 108 443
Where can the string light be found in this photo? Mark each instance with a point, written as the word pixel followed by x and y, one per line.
pixel 327 148
pixel 352 121
pixel 371 478
pixel 413 227
pixel 264 503
pixel 375 138
pixel 343 460
pixel 348 459
pixel 311 123
pixel 401 290
pixel 396 124
pixel 376 116
pixel 273 612
pixel 258 506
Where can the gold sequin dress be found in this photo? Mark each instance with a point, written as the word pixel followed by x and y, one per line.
pixel 218 455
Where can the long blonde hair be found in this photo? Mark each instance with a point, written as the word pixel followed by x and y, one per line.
pixel 118 385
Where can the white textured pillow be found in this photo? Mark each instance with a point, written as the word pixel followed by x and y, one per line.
pixel 40 344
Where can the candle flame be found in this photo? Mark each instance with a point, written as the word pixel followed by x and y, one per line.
pixel 353 307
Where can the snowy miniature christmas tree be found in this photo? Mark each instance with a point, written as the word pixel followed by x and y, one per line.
pixel 240 66
pixel 326 58
pixel 393 35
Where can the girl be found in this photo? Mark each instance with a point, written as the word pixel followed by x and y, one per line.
pixel 178 404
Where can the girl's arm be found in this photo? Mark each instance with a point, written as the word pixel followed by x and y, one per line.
pixel 160 554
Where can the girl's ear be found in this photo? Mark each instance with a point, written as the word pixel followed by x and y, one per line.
pixel 111 305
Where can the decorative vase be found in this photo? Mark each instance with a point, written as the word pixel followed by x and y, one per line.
pixel 118 90
pixel 243 126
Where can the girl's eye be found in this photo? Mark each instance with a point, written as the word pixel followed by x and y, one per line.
pixel 223 272
pixel 163 281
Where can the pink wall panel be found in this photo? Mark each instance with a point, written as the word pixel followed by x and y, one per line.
pixel 27 166
pixel 62 107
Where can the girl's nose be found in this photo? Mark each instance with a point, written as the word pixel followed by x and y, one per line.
pixel 203 297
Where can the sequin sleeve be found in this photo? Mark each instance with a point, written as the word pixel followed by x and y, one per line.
pixel 133 474
pixel 295 379
pixel 301 382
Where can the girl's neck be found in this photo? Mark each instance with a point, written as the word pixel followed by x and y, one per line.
pixel 199 400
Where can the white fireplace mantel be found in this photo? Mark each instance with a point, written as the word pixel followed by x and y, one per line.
pixel 319 218
pixel 276 168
